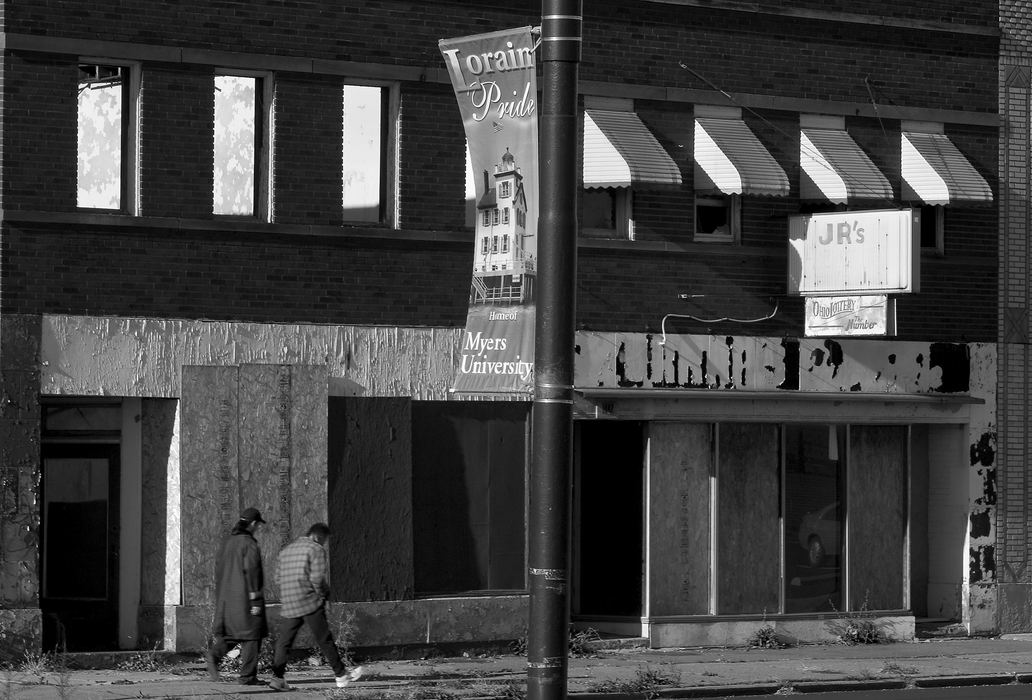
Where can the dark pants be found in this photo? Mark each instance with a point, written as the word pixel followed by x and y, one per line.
pixel 248 656
pixel 288 629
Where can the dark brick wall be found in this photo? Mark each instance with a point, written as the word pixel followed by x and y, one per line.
pixel 168 273
pixel 40 132
pixel 432 177
pixel 308 147
pixel 177 141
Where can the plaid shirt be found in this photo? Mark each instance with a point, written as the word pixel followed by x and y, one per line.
pixel 302 577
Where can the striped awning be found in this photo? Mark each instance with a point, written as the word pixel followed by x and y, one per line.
pixel 935 172
pixel 835 168
pixel 730 159
pixel 620 151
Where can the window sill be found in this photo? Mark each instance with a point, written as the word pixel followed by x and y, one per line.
pixel 233 224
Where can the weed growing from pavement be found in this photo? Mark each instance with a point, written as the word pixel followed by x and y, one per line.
pixel 857 628
pixel 149 660
pixel 647 680
pixel 579 645
pixel 891 667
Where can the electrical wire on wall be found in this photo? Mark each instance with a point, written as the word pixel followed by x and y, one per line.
pixel 699 319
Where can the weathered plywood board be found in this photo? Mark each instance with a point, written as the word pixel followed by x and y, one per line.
pixel 210 481
pixel 876 516
pixel 157 429
pixel 265 437
pixel 748 537
pixel 679 519
pixel 87 356
pixel 370 498
pixel 308 475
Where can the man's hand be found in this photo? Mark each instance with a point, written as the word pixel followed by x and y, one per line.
pixel 256 610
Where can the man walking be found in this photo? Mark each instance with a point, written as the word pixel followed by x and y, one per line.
pixel 301 575
pixel 239 599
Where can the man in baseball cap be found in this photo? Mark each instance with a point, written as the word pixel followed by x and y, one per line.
pixel 239 598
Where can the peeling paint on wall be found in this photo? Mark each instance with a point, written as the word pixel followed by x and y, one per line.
pixel 982 564
pixel 980 524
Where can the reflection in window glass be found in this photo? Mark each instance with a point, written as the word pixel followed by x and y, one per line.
pixel 363 149
pixel 814 517
pixel 235 133
pixel 100 105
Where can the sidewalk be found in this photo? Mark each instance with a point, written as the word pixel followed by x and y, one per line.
pixel 608 673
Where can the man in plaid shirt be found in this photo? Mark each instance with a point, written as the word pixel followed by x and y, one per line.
pixel 301 576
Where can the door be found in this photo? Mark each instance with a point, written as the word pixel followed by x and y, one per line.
pixel 608 520
pixel 79 552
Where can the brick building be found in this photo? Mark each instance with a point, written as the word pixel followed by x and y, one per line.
pixel 235 269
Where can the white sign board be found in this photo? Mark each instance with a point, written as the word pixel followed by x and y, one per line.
pixel 854 252
pixel 850 316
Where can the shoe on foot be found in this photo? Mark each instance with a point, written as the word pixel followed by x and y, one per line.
pixel 352 675
pixel 248 681
pixel 279 684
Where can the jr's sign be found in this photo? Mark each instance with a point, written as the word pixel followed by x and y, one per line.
pixel 853 252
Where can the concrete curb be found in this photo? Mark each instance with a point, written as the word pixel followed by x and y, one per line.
pixel 705 691
pixel 836 686
pixel 956 681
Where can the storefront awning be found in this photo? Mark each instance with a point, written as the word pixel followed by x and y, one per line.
pixel 620 151
pixel 835 168
pixel 730 159
pixel 935 172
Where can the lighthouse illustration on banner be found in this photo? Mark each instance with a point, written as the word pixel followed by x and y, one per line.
pixel 503 266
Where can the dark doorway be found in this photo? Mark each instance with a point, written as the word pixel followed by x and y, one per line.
pixel 608 529
pixel 79 549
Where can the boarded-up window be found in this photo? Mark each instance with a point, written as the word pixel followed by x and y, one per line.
pixel 364 139
pixel 237 129
pixel 748 535
pixel 101 124
pixel 877 516
pixel 469 471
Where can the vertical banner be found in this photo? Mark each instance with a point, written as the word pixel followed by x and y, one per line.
pixel 496 87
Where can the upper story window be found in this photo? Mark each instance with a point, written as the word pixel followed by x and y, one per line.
pixel 242 145
pixel 505 189
pixel 730 162
pixel 718 218
pixel 620 155
pixel 106 153
pixel 937 175
pixel 365 154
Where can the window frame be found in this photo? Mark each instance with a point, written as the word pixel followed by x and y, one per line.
pixel 939 212
pixel 263 131
pixel 129 175
pixel 389 171
pixel 733 207
pixel 623 215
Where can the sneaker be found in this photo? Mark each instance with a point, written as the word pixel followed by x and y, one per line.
pixel 352 675
pixel 213 668
pixel 279 684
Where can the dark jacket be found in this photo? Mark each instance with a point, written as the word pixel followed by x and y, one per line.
pixel 238 574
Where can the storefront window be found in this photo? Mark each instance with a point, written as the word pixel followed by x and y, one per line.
pixel 747 518
pixel 814 517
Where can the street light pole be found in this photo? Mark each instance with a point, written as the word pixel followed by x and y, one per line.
pixel 549 528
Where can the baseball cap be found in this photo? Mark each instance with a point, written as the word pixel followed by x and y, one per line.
pixel 251 514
